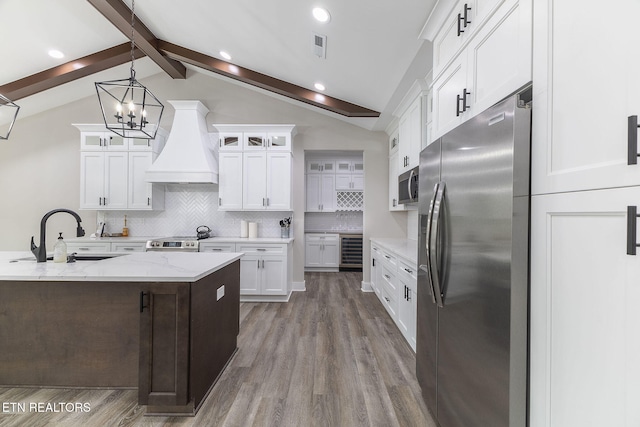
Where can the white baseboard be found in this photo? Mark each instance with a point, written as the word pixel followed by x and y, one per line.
pixel 366 286
pixel 299 286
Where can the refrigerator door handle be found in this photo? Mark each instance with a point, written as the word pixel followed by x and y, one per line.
pixel 433 242
pixel 409 185
pixel 427 267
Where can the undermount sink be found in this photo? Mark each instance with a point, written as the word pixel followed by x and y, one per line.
pixel 77 257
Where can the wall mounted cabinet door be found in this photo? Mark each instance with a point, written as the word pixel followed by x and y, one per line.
pixel 254 195
pixel 278 190
pixel 103 180
pixel 321 193
pixel 230 141
pixel 143 195
pixel 230 181
pixel 580 137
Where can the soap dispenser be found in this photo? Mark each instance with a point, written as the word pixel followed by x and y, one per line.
pixel 60 250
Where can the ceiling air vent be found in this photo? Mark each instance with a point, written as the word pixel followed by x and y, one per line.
pixel 320 45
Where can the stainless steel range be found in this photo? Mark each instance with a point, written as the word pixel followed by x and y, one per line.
pixel 175 244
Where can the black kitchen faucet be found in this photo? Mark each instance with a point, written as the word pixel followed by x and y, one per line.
pixel 41 251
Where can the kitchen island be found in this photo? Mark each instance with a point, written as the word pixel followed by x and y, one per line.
pixel 165 323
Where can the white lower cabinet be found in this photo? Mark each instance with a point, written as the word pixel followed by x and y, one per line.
pixel 86 247
pixel 375 269
pixel 394 280
pixel 407 304
pixel 264 269
pixel 322 252
pixel 585 321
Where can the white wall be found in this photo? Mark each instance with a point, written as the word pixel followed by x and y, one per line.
pixel 40 164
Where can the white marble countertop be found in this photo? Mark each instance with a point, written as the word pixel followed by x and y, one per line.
pixel 144 239
pixel 135 267
pixel 404 248
pixel 247 240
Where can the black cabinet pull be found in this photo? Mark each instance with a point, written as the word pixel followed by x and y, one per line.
pixel 632 125
pixel 462 98
pixel 463 19
pixel 465 16
pixel 632 226
pixel 142 306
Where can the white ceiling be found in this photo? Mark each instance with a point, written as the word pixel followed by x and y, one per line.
pixel 374 53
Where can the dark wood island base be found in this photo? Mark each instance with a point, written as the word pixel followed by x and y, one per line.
pixel 171 340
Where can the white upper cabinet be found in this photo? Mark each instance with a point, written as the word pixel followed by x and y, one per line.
pixel 321 192
pixel 266 181
pixel 463 21
pixel 410 134
pixel 101 140
pixel 324 166
pixel 349 166
pixel 112 170
pixel 255 167
pixel 494 62
pixel 143 195
pixel 586 85
pixel 230 179
pixel 103 180
pixel 273 141
pixel 230 141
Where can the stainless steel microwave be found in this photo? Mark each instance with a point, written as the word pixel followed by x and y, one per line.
pixel 408 186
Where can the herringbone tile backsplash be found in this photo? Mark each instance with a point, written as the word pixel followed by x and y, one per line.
pixel 188 206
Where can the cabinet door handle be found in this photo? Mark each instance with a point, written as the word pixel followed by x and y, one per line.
pixel 216 249
pixel 267 201
pixel 127 249
pixel 408 271
pixel 148 201
pixel 462 98
pixel 262 263
pixel 142 306
pixel 460 30
pixel 387 276
pixel 394 203
pixel 632 226
pixel 633 140
pixel 373 262
pixel 258 263
pixel 105 201
pixel 219 201
pixel 261 249
pixel 465 16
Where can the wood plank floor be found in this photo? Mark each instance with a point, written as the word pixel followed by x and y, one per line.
pixel 330 357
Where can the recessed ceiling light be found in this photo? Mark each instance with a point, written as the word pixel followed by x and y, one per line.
pixel 319 86
pixel 321 15
pixel 225 55
pixel 56 54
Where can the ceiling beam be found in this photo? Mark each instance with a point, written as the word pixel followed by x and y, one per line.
pixel 263 81
pixel 119 14
pixel 69 71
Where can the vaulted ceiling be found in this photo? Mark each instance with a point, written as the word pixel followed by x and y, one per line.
pixel 373 55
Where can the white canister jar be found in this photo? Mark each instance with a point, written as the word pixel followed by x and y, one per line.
pixel 244 228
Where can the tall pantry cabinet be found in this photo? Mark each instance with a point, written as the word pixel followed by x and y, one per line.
pixel 585 288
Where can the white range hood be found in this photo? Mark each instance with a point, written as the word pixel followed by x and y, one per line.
pixel 189 155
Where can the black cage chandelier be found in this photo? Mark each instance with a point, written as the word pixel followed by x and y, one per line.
pixel 137 112
pixel 8 114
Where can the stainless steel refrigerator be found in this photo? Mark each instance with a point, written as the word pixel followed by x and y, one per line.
pixel 473 281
